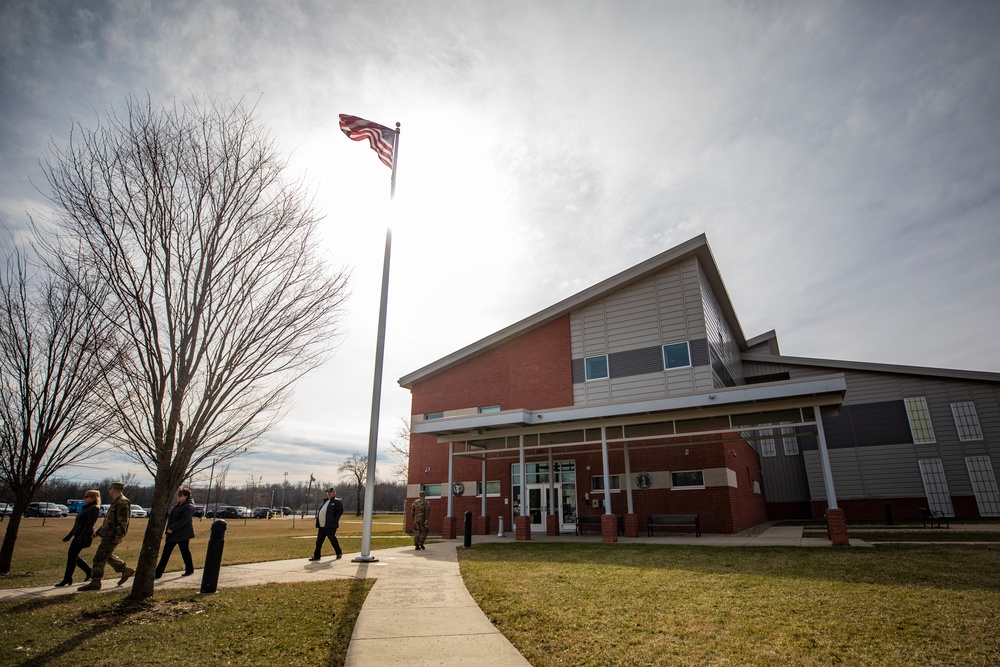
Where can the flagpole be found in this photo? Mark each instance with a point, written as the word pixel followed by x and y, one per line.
pixel 366 531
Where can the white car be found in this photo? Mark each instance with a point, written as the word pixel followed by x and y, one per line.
pixel 138 512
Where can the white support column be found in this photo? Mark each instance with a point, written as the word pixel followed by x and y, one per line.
pixel 607 477
pixel 484 483
pixel 451 475
pixel 524 478
pixel 628 480
pixel 824 461
pixel 552 487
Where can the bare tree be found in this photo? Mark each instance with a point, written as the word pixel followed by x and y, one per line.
pixel 399 447
pixel 357 468
pixel 53 357
pixel 210 261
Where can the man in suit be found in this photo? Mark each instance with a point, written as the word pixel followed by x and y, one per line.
pixel 327 522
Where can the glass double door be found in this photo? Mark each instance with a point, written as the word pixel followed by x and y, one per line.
pixel 544 500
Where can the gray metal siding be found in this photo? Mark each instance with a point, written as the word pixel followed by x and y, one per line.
pixel 785 479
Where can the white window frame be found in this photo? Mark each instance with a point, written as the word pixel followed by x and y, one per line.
pixel 984 485
pixel 586 368
pixel 767 448
pixel 597 483
pixel 966 421
pixel 686 487
pixel 919 416
pixel 489 483
pixel 663 352
pixel 423 487
pixel 791 445
pixel 433 415
pixel 936 489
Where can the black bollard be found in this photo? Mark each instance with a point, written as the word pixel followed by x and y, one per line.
pixel 468 530
pixel 888 514
pixel 213 557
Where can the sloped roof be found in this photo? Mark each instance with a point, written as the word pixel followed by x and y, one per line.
pixel 982 376
pixel 696 247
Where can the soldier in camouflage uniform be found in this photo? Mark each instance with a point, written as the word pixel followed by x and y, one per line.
pixel 111 532
pixel 421 510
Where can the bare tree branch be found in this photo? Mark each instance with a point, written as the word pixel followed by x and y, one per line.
pixel 209 259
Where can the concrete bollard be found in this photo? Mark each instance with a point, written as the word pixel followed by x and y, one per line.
pixel 468 530
pixel 500 532
pixel 213 557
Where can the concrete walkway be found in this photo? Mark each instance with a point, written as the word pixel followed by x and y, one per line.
pixel 419 612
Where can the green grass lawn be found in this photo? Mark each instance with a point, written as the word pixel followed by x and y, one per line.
pixel 40 553
pixel 629 605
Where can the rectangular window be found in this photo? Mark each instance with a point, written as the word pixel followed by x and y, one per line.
pixel 597 483
pixel 676 355
pixel 984 485
pixel 432 490
pixel 791 444
pixel 596 367
pixel 767 444
pixel 936 486
pixel 433 415
pixel 920 420
pixel 488 409
pixel 966 421
pixel 687 479
pixel 492 489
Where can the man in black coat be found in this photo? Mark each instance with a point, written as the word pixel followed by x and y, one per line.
pixel 327 522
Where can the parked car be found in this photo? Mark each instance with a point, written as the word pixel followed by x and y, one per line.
pixel 262 513
pixel 199 511
pixel 63 508
pixel 6 509
pixel 138 512
pixel 43 509
pixel 225 512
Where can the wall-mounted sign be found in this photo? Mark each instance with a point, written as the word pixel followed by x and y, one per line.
pixel 643 480
pixel 457 488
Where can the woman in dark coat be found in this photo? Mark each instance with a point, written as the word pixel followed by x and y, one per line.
pixel 180 530
pixel 82 536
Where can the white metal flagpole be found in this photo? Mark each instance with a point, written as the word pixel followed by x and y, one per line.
pixel 366 532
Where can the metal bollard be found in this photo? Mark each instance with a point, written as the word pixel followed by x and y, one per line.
pixel 500 532
pixel 213 557
pixel 468 529
pixel 888 514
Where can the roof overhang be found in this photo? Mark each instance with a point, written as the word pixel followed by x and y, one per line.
pixel 764 399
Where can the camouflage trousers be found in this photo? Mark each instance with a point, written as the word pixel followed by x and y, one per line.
pixel 106 554
pixel 419 532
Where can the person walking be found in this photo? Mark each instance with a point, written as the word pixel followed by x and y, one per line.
pixel 327 522
pixel 111 532
pixel 82 536
pixel 180 531
pixel 421 511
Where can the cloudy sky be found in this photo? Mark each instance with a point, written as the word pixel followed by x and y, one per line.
pixel 842 157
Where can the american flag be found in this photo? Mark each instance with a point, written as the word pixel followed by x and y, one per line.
pixel 381 138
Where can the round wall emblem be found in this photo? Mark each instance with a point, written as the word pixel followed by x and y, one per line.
pixel 643 480
pixel 458 488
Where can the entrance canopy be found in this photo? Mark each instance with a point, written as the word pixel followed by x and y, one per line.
pixel 795 405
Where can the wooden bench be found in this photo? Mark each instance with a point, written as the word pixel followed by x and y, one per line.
pixel 670 521
pixel 593 522
pixel 934 516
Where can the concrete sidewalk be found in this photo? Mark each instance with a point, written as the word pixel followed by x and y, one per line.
pixel 419 611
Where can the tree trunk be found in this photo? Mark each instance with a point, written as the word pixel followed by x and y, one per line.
pixel 164 495
pixel 7 550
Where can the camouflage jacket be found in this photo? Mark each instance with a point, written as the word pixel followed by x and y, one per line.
pixel 115 523
pixel 421 509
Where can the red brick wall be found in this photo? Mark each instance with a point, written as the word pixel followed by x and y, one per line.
pixel 902 508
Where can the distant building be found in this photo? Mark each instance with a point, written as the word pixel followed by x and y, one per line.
pixel 641 395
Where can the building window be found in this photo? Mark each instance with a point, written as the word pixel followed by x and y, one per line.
pixel 596 367
pixel 767 444
pixel 920 420
pixel 687 479
pixel 597 483
pixel 676 355
pixel 487 409
pixel 966 421
pixel 432 490
pixel 433 415
pixel 791 444
pixel 492 489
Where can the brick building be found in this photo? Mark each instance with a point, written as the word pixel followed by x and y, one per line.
pixel 641 395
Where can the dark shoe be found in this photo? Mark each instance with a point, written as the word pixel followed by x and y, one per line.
pixel 313 560
pixel 64 582
pixel 416 547
pixel 126 575
pixel 87 578
pixel 188 574
pixel 94 585
pixel 339 556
